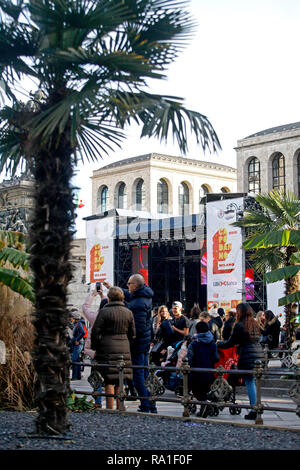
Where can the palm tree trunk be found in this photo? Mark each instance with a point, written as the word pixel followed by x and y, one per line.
pixel 291 286
pixel 50 244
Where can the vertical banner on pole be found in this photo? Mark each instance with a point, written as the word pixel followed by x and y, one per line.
pixel 224 254
pixel 100 250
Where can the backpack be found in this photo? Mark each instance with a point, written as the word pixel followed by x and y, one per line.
pixel 85 329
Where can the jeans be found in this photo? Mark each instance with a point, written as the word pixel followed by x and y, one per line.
pixel 98 400
pixel 140 358
pixel 76 369
pixel 251 389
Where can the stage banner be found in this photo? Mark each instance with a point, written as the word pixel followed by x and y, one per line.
pixel 224 254
pixel 100 250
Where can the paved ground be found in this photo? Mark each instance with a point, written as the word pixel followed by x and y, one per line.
pixel 283 419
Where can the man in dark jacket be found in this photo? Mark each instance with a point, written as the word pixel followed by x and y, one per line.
pixel 138 297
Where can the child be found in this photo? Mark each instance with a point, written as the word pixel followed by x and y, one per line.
pixel 202 353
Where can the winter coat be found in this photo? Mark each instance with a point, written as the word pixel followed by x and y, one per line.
pixel 271 333
pixel 165 332
pixel 202 353
pixel 140 303
pixel 78 333
pixel 215 324
pixel 113 329
pixel 249 349
pixel 227 329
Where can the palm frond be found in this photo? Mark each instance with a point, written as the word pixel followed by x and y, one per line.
pixel 11 238
pixel 281 273
pixel 288 299
pixel 265 259
pixel 275 238
pixel 12 279
pixel 17 258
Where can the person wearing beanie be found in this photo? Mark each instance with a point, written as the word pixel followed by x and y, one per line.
pixel 77 343
pixel 202 353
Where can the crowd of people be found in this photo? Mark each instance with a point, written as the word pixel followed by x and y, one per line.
pixel 127 324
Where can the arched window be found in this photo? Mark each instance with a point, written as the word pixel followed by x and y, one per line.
pixel 278 172
pixel 140 195
pixel 203 190
pixel 225 190
pixel 298 167
pixel 254 176
pixel 122 196
pixel 183 199
pixel 102 198
pixel 162 197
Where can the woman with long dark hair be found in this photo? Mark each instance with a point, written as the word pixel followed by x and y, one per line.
pixel 246 335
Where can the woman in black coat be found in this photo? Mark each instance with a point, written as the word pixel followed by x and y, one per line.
pixel 113 329
pixel 228 325
pixel 271 331
pixel 245 335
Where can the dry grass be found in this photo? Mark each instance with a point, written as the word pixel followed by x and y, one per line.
pixel 17 375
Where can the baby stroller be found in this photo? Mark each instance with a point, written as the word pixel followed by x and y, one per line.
pixel 173 380
pixel 228 360
pixel 170 379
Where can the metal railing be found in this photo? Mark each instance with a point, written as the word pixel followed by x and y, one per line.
pixel 220 395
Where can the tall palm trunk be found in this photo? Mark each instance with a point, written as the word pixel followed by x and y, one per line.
pixel 50 242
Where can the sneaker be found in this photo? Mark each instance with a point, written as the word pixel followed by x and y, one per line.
pixel 251 415
pixel 153 410
pixel 97 405
pixel 142 410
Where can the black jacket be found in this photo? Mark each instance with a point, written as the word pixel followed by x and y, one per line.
pixel 140 303
pixel 227 329
pixel 271 333
pixel 249 349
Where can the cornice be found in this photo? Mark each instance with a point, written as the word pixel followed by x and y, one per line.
pixel 151 159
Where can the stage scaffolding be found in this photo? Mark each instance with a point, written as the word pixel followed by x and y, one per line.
pixel 173 248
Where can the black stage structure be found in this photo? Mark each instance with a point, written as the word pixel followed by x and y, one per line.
pixel 170 252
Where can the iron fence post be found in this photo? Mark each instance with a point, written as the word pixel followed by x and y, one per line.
pixel 185 368
pixel 266 356
pixel 121 394
pixel 258 407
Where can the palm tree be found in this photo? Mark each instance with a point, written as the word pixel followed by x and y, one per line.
pixel 273 234
pixel 91 62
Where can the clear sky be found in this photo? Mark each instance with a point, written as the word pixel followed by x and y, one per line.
pixel 241 70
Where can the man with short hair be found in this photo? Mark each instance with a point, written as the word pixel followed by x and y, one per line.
pixel 180 323
pixel 139 300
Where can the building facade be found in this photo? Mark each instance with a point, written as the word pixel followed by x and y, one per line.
pixel 270 159
pixel 159 184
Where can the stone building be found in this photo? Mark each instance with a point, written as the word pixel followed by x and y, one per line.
pixel 16 205
pixel 157 183
pixel 16 202
pixel 270 159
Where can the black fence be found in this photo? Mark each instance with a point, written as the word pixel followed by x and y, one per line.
pixel 221 393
